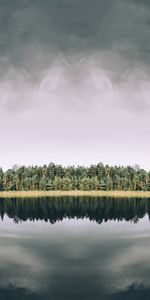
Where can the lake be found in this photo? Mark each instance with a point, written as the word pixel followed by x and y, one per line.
pixel 74 248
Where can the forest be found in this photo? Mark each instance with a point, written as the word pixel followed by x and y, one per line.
pixel 56 177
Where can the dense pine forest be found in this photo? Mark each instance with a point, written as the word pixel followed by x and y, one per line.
pixel 57 177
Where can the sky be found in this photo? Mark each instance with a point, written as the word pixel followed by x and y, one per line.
pixel 74 82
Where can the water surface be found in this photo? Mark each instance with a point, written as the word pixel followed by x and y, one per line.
pixel 74 248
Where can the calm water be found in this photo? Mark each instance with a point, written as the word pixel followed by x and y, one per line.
pixel 74 248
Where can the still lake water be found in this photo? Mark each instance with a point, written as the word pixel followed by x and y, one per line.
pixel 74 248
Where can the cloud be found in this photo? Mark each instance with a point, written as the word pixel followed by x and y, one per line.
pixel 74 79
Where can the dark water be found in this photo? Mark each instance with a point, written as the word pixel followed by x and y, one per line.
pixel 74 248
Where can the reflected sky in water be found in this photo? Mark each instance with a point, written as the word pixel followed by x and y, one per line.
pixel 74 259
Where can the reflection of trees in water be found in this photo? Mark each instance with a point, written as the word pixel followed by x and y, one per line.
pixel 58 208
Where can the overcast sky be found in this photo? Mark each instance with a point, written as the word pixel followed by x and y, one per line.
pixel 75 82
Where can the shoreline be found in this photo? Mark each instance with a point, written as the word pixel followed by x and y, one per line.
pixel 36 194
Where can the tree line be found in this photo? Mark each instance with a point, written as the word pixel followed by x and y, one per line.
pixel 56 177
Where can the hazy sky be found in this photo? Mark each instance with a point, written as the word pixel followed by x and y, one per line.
pixel 75 82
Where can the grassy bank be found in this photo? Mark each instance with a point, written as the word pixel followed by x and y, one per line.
pixel 121 194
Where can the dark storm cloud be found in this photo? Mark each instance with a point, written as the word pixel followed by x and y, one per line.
pixel 33 33
pixel 78 64
pixel 141 2
pixel 28 28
